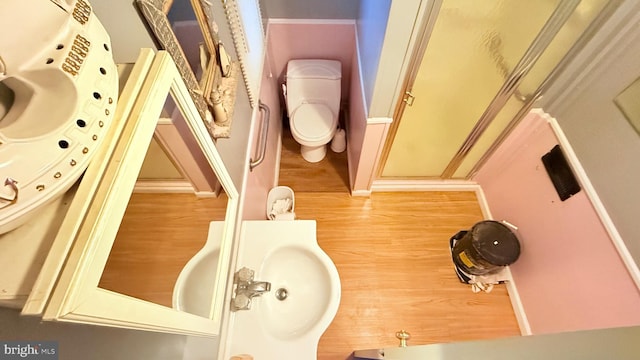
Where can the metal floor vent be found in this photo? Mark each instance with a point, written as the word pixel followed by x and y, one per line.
pixel 560 173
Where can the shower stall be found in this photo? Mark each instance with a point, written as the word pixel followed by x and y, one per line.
pixel 477 69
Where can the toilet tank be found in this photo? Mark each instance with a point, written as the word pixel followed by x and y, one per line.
pixel 314 81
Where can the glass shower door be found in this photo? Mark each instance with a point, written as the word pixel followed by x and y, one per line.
pixel 470 74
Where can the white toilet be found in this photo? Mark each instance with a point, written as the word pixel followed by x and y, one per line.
pixel 313 104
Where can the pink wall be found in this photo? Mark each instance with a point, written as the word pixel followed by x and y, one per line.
pixel 332 40
pixel 325 40
pixel 569 275
pixel 311 40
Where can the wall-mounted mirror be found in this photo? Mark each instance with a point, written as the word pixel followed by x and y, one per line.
pixel 100 270
pixel 167 222
pixel 628 102
pixel 187 30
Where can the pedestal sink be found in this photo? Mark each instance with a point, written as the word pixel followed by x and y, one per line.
pixel 287 321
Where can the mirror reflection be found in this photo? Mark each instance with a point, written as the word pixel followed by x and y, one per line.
pixel 165 223
pixel 188 32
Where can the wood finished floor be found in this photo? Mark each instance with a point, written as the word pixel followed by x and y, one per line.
pixel 157 237
pixel 392 254
pixel 391 251
pixel 330 174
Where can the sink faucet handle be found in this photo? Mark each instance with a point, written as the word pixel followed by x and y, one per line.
pixel 241 302
pixel 245 275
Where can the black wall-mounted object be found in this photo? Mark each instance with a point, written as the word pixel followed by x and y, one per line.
pixel 559 171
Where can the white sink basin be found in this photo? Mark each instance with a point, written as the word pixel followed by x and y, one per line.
pixel 307 282
pixel 194 287
pixel 287 321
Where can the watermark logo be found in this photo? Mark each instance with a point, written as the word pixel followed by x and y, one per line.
pixel 46 350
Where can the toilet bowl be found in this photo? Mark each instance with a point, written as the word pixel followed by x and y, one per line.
pixel 313 104
pixel 58 92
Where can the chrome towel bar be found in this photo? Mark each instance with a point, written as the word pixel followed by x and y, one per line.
pixel 262 144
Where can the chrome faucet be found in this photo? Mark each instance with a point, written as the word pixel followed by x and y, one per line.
pixel 258 287
pixel 246 289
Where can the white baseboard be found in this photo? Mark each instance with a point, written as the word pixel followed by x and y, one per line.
pixel 516 304
pixel 276 175
pixel 484 205
pixel 157 186
pixel 423 185
pixel 364 193
pixel 206 194
pixel 514 295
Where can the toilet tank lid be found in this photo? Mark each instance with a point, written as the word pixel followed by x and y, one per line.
pixel 314 69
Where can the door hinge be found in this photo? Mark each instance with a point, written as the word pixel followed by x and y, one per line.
pixel 408 98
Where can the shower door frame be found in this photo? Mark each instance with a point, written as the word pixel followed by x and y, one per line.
pixel 554 23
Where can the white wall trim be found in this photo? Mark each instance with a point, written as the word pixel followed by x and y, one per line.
pixel 163 186
pixel 170 186
pixel 379 120
pixel 423 185
pixel 516 304
pixel 484 204
pixel 165 121
pixel 206 194
pixel 312 21
pixel 599 207
pixel 364 193
pixel 512 289
pixel 276 175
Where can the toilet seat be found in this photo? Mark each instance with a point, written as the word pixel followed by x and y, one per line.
pixel 313 123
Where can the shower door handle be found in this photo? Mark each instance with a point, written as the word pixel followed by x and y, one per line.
pixel 263 136
pixel 408 98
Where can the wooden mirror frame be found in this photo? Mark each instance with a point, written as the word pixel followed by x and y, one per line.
pixel 67 287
